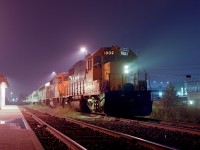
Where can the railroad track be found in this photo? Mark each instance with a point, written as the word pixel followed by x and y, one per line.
pixel 164 133
pixel 189 128
pixel 80 135
pixel 185 127
pixel 48 140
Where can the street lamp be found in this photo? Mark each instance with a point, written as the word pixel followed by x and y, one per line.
pixel 11 93
pixel 54 73
pixel 191 102
pixel 84 50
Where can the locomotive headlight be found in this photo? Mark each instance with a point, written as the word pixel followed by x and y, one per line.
pixel 126 69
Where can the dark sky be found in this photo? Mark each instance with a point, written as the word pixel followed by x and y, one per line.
pixel 41 36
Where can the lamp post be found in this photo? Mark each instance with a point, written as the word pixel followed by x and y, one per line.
pixel 11 93
pixel 53 73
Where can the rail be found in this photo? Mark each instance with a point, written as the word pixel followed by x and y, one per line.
pixel 69 142
pixel 139 141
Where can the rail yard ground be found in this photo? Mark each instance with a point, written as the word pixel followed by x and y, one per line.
pixel 166 136
pixel 182 113
pixel 66 112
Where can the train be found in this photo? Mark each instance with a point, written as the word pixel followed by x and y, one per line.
pixel 106 81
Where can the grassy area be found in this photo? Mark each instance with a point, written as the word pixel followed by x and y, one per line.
pixel 176 113
pixel 60 111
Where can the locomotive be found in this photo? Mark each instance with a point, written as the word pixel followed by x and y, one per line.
pixel 106 81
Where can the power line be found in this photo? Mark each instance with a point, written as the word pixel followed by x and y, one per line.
pixel 175 68
pixel 165 74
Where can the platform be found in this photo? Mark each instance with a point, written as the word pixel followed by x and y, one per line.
pixel 15 133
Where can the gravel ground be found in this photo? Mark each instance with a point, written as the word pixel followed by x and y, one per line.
pixel 48 141
pixel 175 139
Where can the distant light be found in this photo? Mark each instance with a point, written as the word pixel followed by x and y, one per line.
pixel 186 91
pixel 47 84
pixel 2 122
pixel 191 102
pixel 160 94
pixel 181 91
pixel 84 50
pixel 53 72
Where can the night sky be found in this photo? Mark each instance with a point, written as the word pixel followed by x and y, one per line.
pixel 41 36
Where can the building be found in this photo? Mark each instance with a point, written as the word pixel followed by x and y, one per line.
pixel 193 92
pixel 187 90
pixel 3 85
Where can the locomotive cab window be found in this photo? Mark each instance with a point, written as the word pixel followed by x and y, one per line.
pixel 97 61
